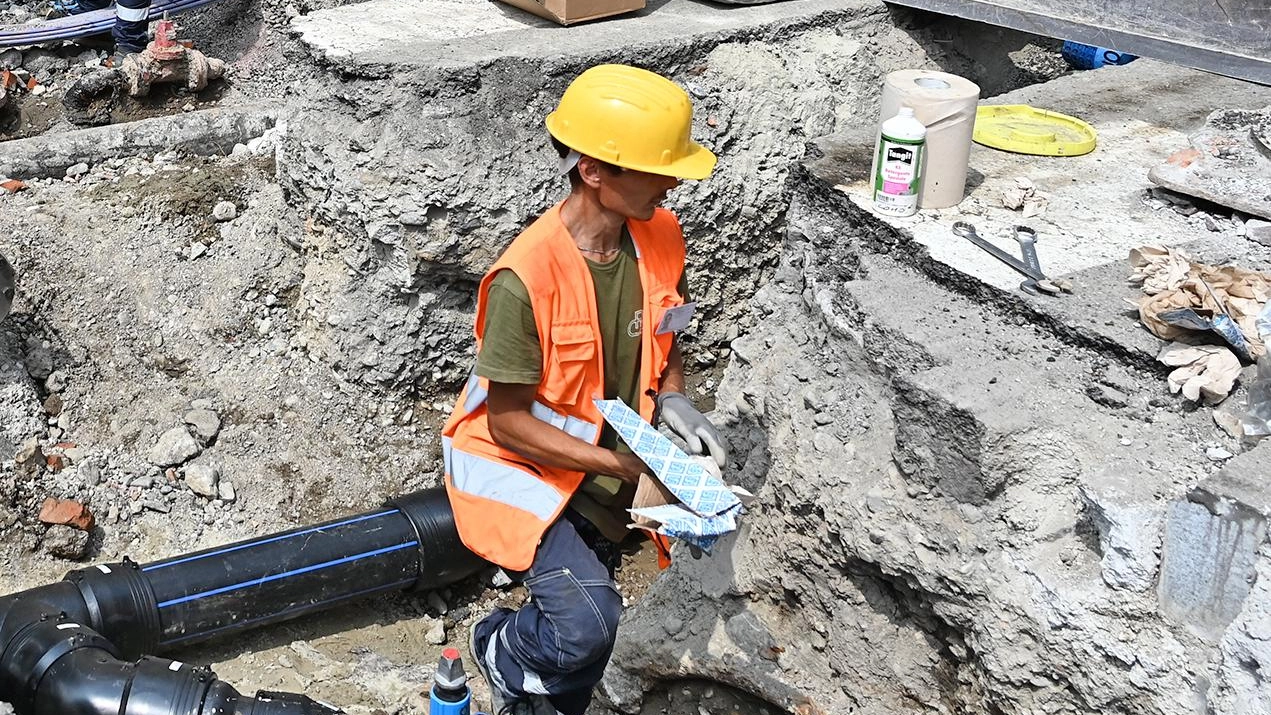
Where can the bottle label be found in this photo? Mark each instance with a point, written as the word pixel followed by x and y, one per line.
pixel 896 184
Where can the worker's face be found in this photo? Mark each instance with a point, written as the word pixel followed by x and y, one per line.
pixel 633 194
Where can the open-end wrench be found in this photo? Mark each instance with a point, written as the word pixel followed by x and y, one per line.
pixel 967 231
pixel 1027 239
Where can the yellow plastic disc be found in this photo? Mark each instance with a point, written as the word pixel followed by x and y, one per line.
pixel 1029 130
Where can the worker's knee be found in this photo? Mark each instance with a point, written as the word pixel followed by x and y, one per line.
pixel 585 613
pixel 594 640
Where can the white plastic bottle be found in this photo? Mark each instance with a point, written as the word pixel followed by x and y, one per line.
pixel 898 164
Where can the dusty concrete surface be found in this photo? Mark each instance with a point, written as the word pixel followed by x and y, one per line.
pixel 967 497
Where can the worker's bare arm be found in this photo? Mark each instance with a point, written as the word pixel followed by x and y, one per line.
pixel 513 427
pixel 673 375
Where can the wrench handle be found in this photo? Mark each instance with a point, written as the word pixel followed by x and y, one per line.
pixel 1028 247
pixel 1002 256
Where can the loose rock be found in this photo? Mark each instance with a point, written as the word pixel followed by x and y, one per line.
pixel 53 405
pixel 225 211
pixel 436 635
pixel 174 447
pixel 29 454
pixel 206 423
pixel 76 170
pixel 225 489
pixel 90 473
pixel 11 59
pixel 1217 454
pixel 65 542
pixel 43 64
pixel 203 480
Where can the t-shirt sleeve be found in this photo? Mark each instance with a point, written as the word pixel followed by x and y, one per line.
pixel 510 350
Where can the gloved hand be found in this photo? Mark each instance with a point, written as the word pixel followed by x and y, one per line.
pixel 677 412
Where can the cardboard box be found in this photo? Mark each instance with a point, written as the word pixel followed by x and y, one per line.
pixel 567 12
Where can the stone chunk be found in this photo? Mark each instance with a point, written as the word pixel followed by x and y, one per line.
pixel 225 490
pixel 90 473
pixel 436 634
pixel 67 512
pixel 1129 536
pixel 224 211
pixel 65 542
pixel 202 480
pixel 206 423
pixel 174 447
pixel 30 453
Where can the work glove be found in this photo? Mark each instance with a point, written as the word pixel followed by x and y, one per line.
pixel 702 438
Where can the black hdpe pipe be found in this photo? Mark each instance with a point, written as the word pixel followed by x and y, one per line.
pixel 76 647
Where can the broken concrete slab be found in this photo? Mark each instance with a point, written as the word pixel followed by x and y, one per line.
pixel 452 33
pixel 212 131
pixel 1227 163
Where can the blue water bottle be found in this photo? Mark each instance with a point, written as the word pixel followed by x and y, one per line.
pixel 1088 57
pixel 450 694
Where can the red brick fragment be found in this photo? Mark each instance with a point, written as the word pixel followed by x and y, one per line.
pixel 1183 158
pixel 55 462
pixel 68 512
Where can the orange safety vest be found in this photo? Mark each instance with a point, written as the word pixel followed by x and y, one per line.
pixel 502 502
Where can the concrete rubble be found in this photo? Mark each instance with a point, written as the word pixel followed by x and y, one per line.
pixel 969 499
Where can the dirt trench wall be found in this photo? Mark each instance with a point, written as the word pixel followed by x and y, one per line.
pixel 413 189
pixel 946 522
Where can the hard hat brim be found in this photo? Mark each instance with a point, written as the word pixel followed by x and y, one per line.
pixel 696 165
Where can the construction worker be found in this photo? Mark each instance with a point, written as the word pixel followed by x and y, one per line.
pixel 575 309
pixel 132 24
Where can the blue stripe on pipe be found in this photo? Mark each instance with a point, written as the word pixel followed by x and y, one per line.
pixel 283 614
pixel 240 547
pixel 287 574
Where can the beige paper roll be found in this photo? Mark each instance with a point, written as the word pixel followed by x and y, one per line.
pixel 945 103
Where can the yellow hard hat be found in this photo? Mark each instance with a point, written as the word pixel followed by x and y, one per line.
pixel 631 118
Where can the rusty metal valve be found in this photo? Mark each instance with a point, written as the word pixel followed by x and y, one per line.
pixel 166 61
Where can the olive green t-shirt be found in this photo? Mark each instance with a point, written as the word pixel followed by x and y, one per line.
pixel 511 352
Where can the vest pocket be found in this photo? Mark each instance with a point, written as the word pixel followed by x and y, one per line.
pixel 573 350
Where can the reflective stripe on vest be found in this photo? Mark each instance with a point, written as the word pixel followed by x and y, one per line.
pixel 476 394
pixel 132 14
pixel 506 484
pixel 498 482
